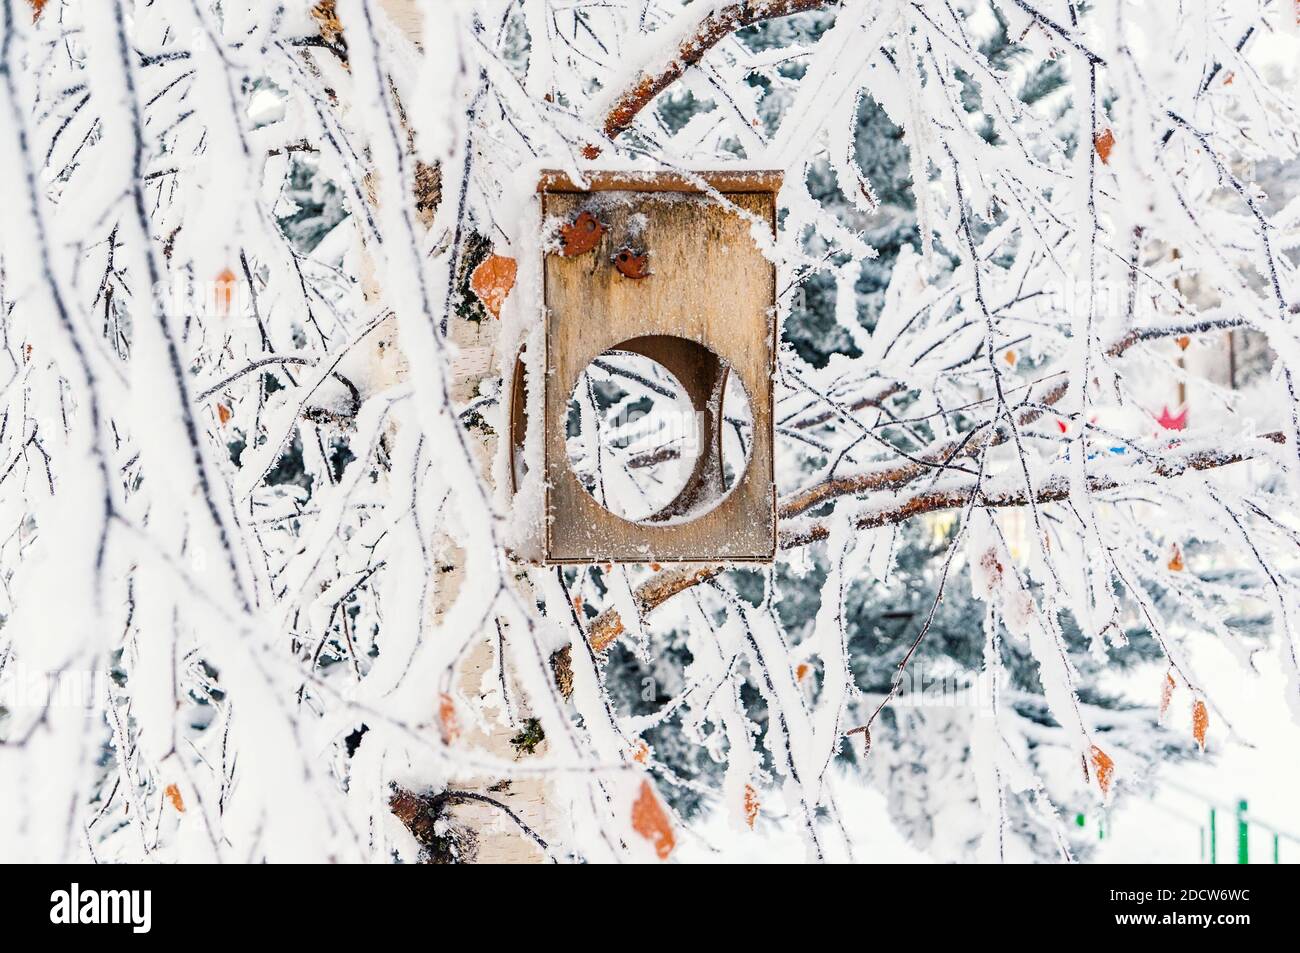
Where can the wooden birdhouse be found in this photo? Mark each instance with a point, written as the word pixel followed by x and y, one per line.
pixel 660 352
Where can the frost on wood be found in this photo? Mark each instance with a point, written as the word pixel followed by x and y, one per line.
pixel 267 272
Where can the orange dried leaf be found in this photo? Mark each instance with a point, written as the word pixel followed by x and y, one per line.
pixel 223 414
pixel 447 719
pixel 1176 563
pixel 1011 357
pixel 590 151
pixel 801 671
pixel 173 794
pixel 1200 722
pixel 650 820
pixel 751 805
pixel 224 290
pixel 1166 693
pixel 1104 141
pixel 1104 768
pixel 642 753
pixel 492 281
pixel 1227 80
pixel 37 7
pixel 1183 342
pixel 654 566
pixel 604 638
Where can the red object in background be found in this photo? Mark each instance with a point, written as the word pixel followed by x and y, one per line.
pixel 1170 421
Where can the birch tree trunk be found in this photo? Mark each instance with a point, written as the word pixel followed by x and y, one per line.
pixel 479 828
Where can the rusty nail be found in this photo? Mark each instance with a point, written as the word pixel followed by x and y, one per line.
pixel 631 264
pixel 581 235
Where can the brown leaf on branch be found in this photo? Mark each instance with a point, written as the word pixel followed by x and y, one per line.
pixel 562 664
pixel 224 290
pixel 492 281
pixel 1105 142
pixel 1176 563
pixel 1200 722
pixel 223 414
pixel 751 805
pixel 1104 768
pixel 650 820
pixel 1166 693
pixel 173 794
pixel 603 633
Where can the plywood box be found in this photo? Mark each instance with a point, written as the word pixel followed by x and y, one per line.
pixel 666 267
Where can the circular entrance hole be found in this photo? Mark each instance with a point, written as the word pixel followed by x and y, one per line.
pixel 638 439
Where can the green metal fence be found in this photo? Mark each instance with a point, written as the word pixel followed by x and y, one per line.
pixel 1212 851
pixel 1243 820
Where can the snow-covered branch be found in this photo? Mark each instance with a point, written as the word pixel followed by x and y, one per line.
pixel 269 273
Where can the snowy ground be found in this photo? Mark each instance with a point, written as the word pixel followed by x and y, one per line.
pixel 1166 829
pixel 1259 762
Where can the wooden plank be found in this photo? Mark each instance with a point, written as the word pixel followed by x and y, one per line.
pixel 725 180
pixel 709 284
